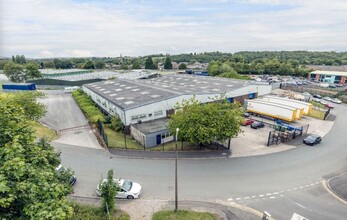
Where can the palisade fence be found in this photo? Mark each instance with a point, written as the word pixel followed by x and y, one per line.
pixel 102 132
pixel 280 135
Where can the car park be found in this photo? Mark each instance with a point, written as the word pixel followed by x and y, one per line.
pixel 323 102
pixel 328 98
pixel 246 114
pixel 61 169
pixel 127 189
pixel 257 125
pixel 312 139
pixel 246 122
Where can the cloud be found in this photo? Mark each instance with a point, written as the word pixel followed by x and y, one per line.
pixel 42 28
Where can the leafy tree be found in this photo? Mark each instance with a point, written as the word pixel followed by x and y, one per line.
pixel 116 123
pixel 213 68
pixel 149 64
pixel 182 66
pixel 32 109
pixel 205 123
pixel 13 59
pixel 14 72
pixel 124 67
pixel 99 65
pixel 29 187
pixel 88 65
pixel 136 65
pixel 19 59
pixel 3 63
pixel 32 71
pixel 49 65
pixel 109 190
pixel 167 63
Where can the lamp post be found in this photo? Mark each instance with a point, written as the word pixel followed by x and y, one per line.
pixel 176 193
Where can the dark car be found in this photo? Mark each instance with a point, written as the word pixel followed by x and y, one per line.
pixel 246 114
pixel 317 96
pixel 257 125
pixel 312 139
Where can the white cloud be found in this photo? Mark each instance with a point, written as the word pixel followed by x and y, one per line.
pixel 43 28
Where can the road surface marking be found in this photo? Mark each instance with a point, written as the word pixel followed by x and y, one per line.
pixel 253 197
pixel 307 185
pixel 317 182
pixel 231 199
pixel 301 187
pixel 247 197
pixel 272 197
pixel 295 203
pixel 275 193
pixel 261 195
pixel 289 190
pixel 312 184
pixel 238 199
pixel 269 194
pixel 295 188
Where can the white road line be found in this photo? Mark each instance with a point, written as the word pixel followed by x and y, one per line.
pixel 301 187
pixel 312 184
pixel 295 188
pixel 288 190
pixel 253 197
pixel 282 191
pixel 269 194
pixel 261 195
pixel 238 199
pixel 247 197
pixel 317 182
pixel 275 193
pixel 231 199
pixel 272 197
pixel 307 185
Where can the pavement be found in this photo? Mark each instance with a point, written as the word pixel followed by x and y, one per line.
pixel 338 185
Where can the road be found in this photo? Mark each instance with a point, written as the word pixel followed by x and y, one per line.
pixel 281 183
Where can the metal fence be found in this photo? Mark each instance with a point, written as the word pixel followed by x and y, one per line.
pixel 102 133
pixel 282 135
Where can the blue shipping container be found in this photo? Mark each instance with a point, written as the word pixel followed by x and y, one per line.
pixel 19 86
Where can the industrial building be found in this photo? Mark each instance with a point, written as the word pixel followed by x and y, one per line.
pixel 327 76
pixel 142 101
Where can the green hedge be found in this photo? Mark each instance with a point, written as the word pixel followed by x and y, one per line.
pixel 88 107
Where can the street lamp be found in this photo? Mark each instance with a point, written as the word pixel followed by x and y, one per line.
pixel 176 193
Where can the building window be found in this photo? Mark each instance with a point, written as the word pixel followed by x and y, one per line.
pixel 134 117
pixel 157 113
pixel 150 115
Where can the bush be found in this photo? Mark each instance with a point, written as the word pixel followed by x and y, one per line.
pixel 117 124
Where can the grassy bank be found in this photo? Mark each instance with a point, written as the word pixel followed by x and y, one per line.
pixel 183 215
pixel 43 131
pixel 90 212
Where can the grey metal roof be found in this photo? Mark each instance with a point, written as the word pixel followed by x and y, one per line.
pixel 132 93
pixel 152 126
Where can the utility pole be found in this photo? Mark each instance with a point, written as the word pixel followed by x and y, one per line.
pixel 176 191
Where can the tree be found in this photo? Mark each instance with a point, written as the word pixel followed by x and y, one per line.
pixel 124 67
pixel 136 65
pixel 108 191
pixel 182 66
pixel 14 72
pixel 99 65
pixel 32 71
pixel 32 109
pixel 204 123
pixel 3 63
pixel 49 65
pixel 117 124
pixel 88 65
pixel 213 68
pixel 149 64
pixel 167 63
pixel 29 187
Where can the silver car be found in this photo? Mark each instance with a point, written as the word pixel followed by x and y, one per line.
pixel 128 189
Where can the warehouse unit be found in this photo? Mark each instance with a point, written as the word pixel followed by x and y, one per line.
pixel 305 107
pixel 327 76
pixel 142 100
pixel 273 110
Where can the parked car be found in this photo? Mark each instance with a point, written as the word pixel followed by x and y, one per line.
pixel 315 100
pixel 317 96
pixel 246 114
pixel 246 122
pixel 328 98
pixel 329 106
pixel 312 140
pixel 257 125
pixel 72 179
pixel 323 102
pixel 332 86
pixel 128 189
pixel 336 101
pixel 338 85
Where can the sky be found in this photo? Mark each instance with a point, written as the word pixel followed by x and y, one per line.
pixel 85 28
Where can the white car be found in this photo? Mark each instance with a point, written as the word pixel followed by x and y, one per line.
pixel 328 99
pixel 336 101
pixel 323 102
pixel 128 189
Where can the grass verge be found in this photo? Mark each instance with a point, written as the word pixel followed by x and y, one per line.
pixel 183 215
pixel 43 131
pixel 90 212
pixel 116 140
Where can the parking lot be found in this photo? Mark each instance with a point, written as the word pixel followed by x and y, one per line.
pixel 254 141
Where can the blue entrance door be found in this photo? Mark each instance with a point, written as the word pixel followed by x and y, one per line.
pixel 158 139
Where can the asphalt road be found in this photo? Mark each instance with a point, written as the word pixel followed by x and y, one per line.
pixel 282 183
